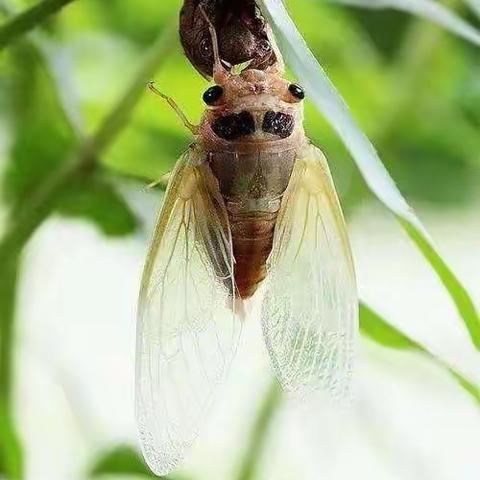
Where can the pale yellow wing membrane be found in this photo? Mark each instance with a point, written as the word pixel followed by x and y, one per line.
pixel 187 332
pixel 310 307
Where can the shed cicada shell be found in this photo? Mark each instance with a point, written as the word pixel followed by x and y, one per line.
pixel 241 30
pixel 250 213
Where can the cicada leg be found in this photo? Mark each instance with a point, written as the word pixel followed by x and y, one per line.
pixel 193 128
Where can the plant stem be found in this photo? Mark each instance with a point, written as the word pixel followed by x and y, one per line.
pixel 10 451
pixel 8 275
pixel 35 210
pixel 29 19
pixel 259 434
pixel 83 161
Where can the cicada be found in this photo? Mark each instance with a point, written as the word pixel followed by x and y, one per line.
pixel 250 213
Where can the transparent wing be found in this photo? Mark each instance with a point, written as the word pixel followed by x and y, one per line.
pixel 187 331
pixel 310 307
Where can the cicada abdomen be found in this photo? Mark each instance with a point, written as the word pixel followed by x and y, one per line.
pixel 251 203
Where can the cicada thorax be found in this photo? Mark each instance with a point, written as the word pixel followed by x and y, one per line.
pixel 251 138
pixel 252 185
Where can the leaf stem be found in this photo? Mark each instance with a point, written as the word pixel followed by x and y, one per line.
pixel 259 433
pixel 10 449
pixel 29 19
pixel 418 48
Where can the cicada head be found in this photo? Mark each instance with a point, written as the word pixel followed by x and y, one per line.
pixel 253 106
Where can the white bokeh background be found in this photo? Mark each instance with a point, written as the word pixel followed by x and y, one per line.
pixel 410 420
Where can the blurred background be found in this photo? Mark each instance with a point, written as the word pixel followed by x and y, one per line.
pixel 80 138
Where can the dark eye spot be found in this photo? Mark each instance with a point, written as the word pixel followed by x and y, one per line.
pixel 231 127
pixel 278 123
pixel 213 94
pixel 297 91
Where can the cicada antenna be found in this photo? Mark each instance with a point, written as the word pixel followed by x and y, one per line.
pixel 219 70
pixel 193 128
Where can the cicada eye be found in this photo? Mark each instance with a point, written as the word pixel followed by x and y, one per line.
pixel 297 91
pixel 213 94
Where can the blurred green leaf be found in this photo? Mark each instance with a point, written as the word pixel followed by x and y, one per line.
pixel 458 292
pixel 327 99
pixel 468 91
pixel 470 387
pixel 42 137
pixel 43 142
pixel 11 457
pixel 376 328
pixel 29 19
pixel 123 460
pixel 443 15
pixel 386 28
pixel 11 454
pixel 96 200
pixel 139 24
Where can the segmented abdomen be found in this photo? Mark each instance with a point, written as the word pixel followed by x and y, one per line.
pixel 252 185
pixel 252 236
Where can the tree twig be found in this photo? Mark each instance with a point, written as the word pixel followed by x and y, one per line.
pixel 29 19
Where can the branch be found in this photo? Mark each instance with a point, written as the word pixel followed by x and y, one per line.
pixel 84 160
pixel 29 19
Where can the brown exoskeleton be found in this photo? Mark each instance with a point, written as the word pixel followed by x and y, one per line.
pixel 240 27
pixel 250 212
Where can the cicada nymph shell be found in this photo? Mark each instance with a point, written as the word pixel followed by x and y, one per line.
pixel 251 204
pixel 242 34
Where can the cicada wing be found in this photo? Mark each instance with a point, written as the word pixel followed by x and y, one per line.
pixel 310 307
pixel 187 331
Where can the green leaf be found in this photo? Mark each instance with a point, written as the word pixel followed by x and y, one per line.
pixel 458 292
pixel 28 20
pixel 386 28
pixel 123 460
pixel 42 144
pixel 42 139
pixel 97 201
pixel 376 328
pixel 470 387
pixel 11 457
pixel 328 101
pixel 428 9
